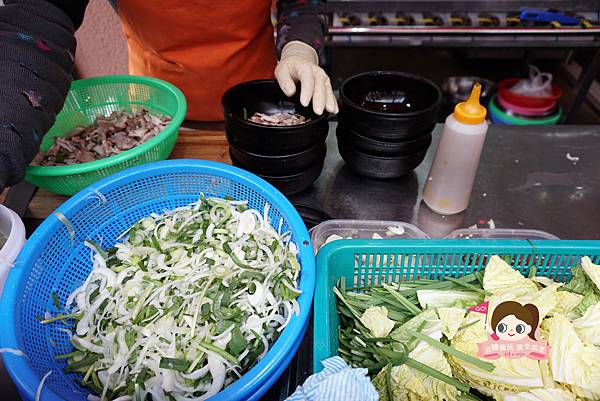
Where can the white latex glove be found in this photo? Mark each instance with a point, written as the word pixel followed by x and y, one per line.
pixel 300 63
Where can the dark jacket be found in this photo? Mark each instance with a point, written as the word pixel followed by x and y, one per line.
pixel 37 47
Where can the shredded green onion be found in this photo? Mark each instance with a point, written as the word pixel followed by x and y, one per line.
pixel 70 230
pixel 452 351
pixel 180 365
pixel 193 297
pixel 55 300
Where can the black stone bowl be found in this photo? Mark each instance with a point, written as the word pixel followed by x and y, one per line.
pixel 278 165
pixel 384 148
pixel 388 105
pixel 243 100
pixel 289 184
pixel 382 167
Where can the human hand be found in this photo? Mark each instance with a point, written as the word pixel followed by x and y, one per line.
pixel 299 63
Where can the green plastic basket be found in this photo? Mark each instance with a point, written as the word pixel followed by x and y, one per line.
pixel 365 262
pixel 103 95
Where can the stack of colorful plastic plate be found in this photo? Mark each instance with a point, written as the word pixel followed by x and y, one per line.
pixel 506 116
pixel 509 108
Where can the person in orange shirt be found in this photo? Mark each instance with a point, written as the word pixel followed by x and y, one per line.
pixel 202 46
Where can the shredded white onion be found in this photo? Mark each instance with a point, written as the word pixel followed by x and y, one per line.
pixel 193 297
pixel 40 387
pixel 13 351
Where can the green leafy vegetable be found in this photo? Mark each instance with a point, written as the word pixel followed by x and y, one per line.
pixel 438 299
pixel 501 279
pixel 375 319
pixel 406 368
pixel 583 285
pixel 588 325
pixel 452 319
pixel 453 352
pixel 180 365
pixel 238 343
pixel 55 300
pixel 571 361
pixel 432 353
pixel 542 394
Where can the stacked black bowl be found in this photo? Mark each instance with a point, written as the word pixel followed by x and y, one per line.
pixel 385 122
pixel 289 157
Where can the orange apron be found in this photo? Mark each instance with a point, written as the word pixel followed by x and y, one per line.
pixel 202 46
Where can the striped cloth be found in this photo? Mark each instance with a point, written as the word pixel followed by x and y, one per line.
pixel 337 382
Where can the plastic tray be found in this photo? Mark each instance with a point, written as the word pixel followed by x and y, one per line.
pixel 366 262
pixel 499 233
pixel 361 229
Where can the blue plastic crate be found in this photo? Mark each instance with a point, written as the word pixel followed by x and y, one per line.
pixel 366 262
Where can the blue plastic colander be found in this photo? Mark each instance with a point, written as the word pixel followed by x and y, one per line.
pixel 52 261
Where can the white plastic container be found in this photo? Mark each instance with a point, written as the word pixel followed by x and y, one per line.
pixel 13 230
pixel 450 182
pixel 500 233
pixel 361 229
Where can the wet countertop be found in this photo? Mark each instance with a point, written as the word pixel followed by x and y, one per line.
pixel 529 177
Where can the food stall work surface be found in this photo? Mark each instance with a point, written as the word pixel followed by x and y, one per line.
pixel 542 177
pixel 538 177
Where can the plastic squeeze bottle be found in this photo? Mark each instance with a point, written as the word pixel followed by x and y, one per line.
pixel 450 181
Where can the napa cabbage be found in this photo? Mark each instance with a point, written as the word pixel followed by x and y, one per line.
pixel 448 298
pixel 509 375
pixel 542 394
pixel 588 325
pixel 376 320
pixel 452 319
pixel 501 279
pixel 572 363
pixel 408 384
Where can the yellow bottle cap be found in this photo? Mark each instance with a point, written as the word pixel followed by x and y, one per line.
pixel 471 111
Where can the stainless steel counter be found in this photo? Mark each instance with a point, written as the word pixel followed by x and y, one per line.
pixel 525 180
